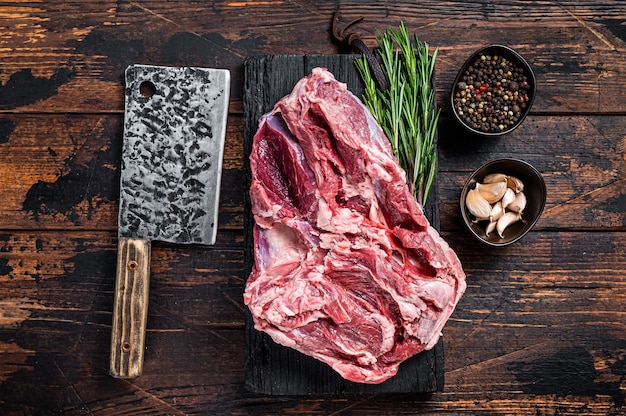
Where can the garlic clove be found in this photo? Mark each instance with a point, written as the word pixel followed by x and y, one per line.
pixel 495 177
pixel 509 196
pixel 492 192
pixel 518 204
pixel 496 211
pixel 506 220
pixel 477 204
pixel 490 227
pixel 515 184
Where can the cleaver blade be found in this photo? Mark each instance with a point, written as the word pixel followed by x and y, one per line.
pixel 172 151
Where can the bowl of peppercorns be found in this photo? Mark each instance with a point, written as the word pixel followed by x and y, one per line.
pixel 493 92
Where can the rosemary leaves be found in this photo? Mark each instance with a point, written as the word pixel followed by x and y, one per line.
pixel 405 110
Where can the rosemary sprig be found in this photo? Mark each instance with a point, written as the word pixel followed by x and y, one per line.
pixel 405 109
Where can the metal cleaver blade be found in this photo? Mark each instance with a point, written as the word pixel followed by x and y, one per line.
pixel 173 144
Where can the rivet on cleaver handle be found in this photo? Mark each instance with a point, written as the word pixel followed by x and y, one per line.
pixel 172 150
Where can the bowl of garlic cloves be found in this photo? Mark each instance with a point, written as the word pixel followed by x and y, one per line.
pixel 502 200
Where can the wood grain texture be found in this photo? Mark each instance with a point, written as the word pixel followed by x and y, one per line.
pixel 70 57
pixel 62 171
pixel 535 313
pixel 540 329
pixel 130 307
pixel 71 178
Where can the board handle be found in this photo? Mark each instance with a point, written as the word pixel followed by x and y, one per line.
pixel 130 307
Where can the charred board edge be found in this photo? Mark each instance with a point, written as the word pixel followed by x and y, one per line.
pixel 274 369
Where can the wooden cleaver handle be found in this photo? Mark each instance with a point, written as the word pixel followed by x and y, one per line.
pixel 130 307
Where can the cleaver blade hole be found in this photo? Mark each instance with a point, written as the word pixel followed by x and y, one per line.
pixel 147 89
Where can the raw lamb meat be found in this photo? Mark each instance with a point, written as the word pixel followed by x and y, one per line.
pixel 347 268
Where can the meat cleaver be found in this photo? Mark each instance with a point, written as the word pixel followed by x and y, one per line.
pixel 172 150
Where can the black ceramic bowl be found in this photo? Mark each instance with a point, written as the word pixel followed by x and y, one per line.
pixel 501 86
pixel 534 189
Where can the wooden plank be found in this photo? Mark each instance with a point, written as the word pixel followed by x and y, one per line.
pixel 561 306
pixel 275 369
pixel 70 57
pixel 207 282
pixel 65 270
pixel 62 171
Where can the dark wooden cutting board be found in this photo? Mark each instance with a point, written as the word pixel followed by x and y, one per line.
pixel 271 368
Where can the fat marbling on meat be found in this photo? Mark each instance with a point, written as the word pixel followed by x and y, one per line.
pixel 347 267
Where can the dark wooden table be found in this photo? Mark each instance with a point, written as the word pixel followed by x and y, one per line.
pixel 541 328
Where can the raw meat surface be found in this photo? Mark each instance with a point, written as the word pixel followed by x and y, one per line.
pixel 347 268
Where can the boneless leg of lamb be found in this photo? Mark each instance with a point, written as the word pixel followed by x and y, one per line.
pixel 347 267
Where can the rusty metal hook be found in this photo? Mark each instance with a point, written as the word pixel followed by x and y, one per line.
pixel 352 41
pixel 339 34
